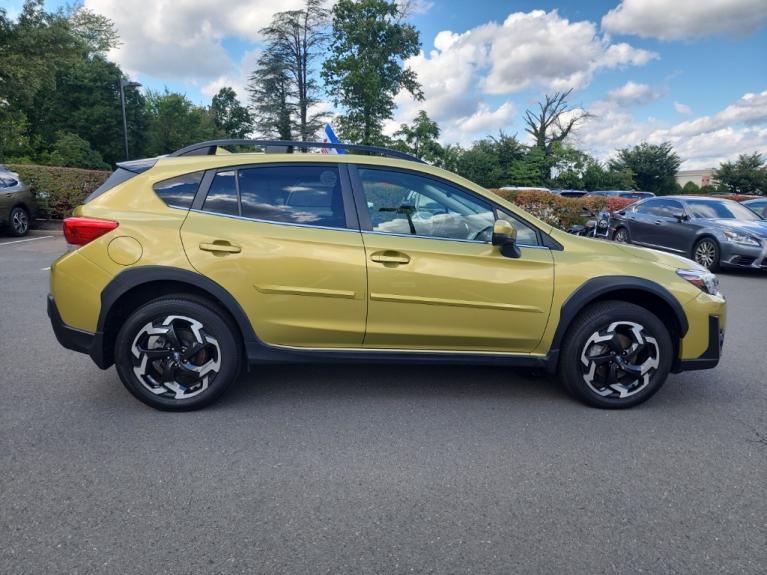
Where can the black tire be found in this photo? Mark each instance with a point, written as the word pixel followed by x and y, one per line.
pixel 18 222
pixel 591 380
pixel 169 380
pixel 622 235
pixel 707 250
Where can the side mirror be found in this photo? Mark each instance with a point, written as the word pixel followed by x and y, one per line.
pixel 505 237
pixel 680 216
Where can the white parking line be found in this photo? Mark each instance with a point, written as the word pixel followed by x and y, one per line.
pixel 45 269
pixel 26 240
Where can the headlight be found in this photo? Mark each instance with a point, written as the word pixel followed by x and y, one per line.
pixel 705 281
pixel 738 238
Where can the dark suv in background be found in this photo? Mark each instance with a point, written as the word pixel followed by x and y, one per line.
pixel 713 232
pixel 17 204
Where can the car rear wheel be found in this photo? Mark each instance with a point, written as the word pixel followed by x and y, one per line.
pixel 18 222
pixel 706 253
pixel 622 236
pixel 177 353
pixel 616 355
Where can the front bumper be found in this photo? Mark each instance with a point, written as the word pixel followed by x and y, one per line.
pixel 740 256
pixel 709 358
pixel 76 339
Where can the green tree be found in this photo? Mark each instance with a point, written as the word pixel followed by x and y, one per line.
pixel 295 38
pixel 550 125
pixel 86 101
pixel 654 166
pixel 32 49
pixel 175 122
pixel 365 68
pixel 747 175
pixel 229 116
pixel 72 151
pixel 97 32
pixel 271 94
pixel 420 137
pixel 690 188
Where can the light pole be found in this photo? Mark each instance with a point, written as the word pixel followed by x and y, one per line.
pixel 126 84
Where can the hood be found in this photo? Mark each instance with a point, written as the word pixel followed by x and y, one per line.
pixel 662 258
pixel 757 228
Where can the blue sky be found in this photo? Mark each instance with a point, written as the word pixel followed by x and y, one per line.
pixel 690 71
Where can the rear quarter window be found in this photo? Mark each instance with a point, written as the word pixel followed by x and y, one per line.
pixel 179 192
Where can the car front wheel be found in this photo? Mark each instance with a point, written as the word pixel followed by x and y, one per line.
pixel 177 353
pixel 622 236
pixel 18 222
pixel 706 253
pixel 616 355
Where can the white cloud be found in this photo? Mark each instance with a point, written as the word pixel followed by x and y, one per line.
pixel 528 50
pixel 182 39
pixel 631 94
pixel 686 19
pixel 237 79
pixel 682 108
pixel 739 128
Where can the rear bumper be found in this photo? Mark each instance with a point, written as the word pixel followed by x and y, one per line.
pixel 76 339
pixel 710 358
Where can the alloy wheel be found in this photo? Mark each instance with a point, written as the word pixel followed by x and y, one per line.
pixel 174 357
pixel 19 222
pixel 621 236
pixel 705 253
pixel 619 361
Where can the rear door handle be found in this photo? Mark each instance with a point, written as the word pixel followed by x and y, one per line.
pixel 220 246
pixel 389 257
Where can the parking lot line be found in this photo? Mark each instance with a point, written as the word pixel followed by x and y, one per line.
pixel 25 240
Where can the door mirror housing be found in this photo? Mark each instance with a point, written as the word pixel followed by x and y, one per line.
pixel 680 216
pixel 505 237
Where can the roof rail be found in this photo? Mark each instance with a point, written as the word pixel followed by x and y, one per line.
pixel 286 147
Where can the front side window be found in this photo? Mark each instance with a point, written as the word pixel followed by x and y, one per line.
pixel 179 192
pixel 646 207
pixel 409 204
pixel 666 208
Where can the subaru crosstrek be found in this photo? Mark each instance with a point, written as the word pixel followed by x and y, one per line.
pixel 185 269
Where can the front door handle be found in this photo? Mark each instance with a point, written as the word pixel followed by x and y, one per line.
pixel 390 257
pixel 659 222
pixel 220 246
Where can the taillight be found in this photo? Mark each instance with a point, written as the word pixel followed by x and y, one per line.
pixel 79 231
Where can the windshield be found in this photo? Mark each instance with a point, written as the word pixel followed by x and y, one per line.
pixel 722 209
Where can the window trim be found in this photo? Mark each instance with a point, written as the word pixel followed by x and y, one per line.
pixel 350 213
pixel 366 224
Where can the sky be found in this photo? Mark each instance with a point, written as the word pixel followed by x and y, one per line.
pixel 692 72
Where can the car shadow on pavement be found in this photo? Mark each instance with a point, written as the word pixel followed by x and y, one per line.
pixel 277 383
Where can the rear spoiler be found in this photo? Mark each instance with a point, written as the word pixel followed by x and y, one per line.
pixel 124 172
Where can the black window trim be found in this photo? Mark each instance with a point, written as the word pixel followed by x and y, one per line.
pixel 545 242
pixel 350 213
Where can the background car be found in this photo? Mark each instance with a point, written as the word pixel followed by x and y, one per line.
pixel 631 194
pixel 713 232
pixel 759 206
pixel 17 204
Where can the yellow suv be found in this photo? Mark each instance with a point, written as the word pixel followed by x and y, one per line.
pixel 187 268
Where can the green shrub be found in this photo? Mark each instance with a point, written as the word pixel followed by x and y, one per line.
pixel 691 188
pixel 558 211
pixel 59 190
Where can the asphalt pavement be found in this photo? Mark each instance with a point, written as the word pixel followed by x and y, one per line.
pixel 374 469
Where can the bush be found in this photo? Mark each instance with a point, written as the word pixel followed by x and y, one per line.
pixel 72 151
pixel 691 188
pixel 59 190
pixel 558 211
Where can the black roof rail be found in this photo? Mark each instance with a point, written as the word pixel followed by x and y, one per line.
pixel 286 147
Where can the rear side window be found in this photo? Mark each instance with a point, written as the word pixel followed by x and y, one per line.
pixel 179 192
pixel 222 194
pixel 309 195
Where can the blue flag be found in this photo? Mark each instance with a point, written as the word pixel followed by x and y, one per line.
pixel 330 137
